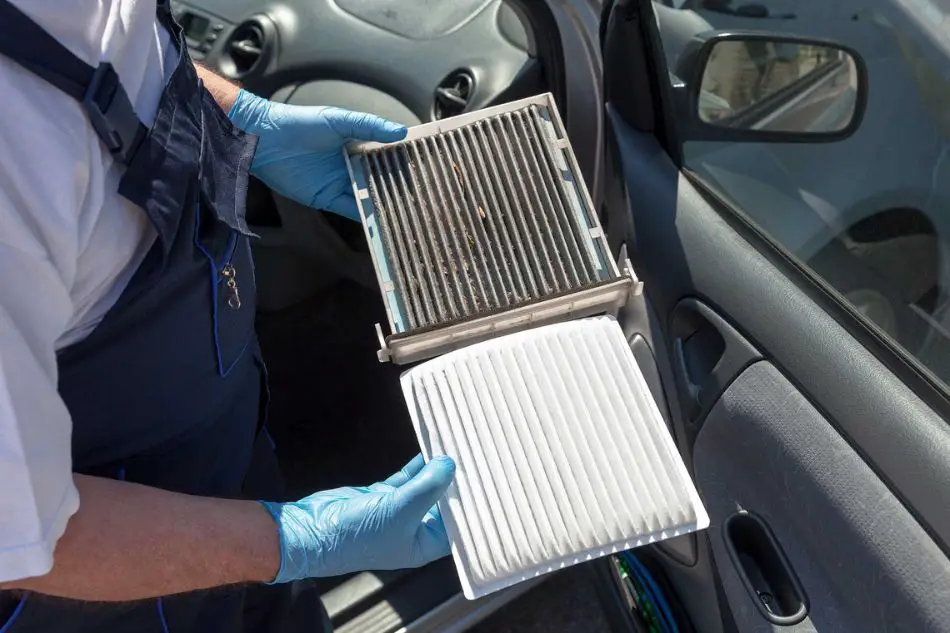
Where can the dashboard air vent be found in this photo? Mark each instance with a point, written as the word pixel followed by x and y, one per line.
pixel 453 94
pixel 245 47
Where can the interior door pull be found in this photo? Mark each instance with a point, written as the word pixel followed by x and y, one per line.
pixel 708 354
pixel 764 569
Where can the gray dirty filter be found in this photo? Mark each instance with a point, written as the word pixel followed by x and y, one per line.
pixel 478 216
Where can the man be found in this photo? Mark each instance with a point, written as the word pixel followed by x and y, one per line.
pixel 130 377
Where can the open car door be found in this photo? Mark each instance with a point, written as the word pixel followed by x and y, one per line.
pixel 819 444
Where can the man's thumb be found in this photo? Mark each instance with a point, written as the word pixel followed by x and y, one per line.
pixel 422 491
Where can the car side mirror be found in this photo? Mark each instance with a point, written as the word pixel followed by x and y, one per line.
pixel 766 87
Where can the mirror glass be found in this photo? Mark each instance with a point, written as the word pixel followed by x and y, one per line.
pixel 778 86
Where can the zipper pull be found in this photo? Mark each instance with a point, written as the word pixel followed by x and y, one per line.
pixel 234 298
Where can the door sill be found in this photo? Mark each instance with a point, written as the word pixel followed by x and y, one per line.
pixel 460 614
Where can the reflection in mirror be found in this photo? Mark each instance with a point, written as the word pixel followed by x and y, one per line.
pixel 778 86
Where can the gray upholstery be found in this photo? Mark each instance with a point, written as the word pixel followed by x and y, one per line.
pixel 415 19
pixel 865 563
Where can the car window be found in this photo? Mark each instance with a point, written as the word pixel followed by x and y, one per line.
pixel 870 213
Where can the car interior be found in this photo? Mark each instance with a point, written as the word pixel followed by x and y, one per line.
pixel 819 448
pixel 336 414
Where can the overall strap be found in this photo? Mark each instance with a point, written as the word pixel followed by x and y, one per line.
pixel 98 89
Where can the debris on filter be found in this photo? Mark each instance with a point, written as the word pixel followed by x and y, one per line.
pixel 458 176
pixel 482 216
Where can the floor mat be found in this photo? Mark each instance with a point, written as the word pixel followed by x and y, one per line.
pixel 336 414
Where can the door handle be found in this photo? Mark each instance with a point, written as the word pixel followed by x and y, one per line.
pixel 764 569
pixel 708 354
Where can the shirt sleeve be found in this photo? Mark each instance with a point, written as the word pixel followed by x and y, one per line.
pixel 43 183
pixel 38 495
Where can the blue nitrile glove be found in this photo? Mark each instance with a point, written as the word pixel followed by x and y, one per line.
pixel 299 154
pixel 394 524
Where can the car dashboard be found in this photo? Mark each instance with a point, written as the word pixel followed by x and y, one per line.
pixel 410 60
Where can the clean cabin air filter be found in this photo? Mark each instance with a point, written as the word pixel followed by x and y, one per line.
pixel 562 453
pixel 479 225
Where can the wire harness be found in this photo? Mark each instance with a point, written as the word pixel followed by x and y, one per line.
pixel 648 599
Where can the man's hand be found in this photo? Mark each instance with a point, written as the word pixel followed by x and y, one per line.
pixel 300 150
pixel 389 525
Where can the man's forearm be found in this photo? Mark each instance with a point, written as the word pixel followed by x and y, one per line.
pixel 223 91
pixel 128 542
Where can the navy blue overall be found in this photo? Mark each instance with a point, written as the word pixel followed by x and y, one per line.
pixel 169 390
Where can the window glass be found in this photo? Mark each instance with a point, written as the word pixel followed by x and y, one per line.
pixel 870 213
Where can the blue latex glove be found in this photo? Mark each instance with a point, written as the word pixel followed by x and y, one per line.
pixel 299 154
pixel 389 525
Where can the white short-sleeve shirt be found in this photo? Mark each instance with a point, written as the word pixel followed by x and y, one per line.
pixel 68 246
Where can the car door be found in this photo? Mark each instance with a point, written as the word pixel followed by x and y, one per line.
pixel 819 443
pixel 901 149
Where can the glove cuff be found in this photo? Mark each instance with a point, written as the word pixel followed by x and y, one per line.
pixel 273 509
pixel 247 110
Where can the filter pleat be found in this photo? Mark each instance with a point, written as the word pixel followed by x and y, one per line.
pixel 480 218
pixel 562 453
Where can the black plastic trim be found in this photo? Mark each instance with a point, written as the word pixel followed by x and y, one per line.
pixel 643 354
pixel 269 45
pixel 698 393
pixel 636 73
pixel 769 554
pixel 444 97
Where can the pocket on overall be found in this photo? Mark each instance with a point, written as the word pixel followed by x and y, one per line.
pixel 222 234
pixel 231 274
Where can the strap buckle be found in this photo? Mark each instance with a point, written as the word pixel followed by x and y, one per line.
pixel 111 113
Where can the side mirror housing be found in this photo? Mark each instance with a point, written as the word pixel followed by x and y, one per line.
pixel 759 86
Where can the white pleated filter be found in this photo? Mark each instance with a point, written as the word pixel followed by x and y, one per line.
pixel 562 453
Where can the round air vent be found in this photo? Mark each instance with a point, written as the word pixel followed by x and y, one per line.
pixel 453 94
pixel 245 47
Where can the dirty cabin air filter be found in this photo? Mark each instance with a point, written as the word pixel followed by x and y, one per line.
pixel 479 225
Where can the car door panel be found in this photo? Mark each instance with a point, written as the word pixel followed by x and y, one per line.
pixel 690 565
pixel 865 562
pixel 708 354
pixel 837 442
pixel 684 247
